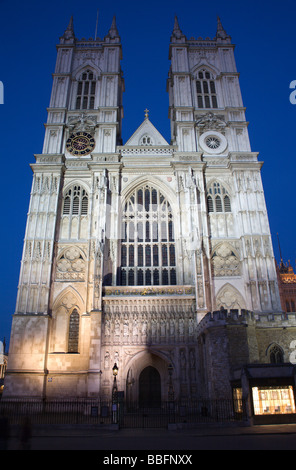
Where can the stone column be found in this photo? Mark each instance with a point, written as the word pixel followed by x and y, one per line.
pixel 94 371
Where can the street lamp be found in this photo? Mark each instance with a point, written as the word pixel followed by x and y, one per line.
pixel 114 396
pixel 171 394
pixel 115 371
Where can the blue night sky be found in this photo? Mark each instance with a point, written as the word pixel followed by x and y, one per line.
pixel 264 34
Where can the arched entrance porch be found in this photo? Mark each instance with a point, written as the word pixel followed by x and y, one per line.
pixel 150 388
pixel 147 380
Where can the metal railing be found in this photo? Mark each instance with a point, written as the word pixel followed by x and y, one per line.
pixel 127 415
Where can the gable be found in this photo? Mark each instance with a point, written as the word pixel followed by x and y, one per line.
pixel 146 135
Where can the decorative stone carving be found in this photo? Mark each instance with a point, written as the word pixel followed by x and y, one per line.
pixel 142 323
pixel 225 262
pixel 82 123
pixel 210 121
pixel 229 298
pixel 71 265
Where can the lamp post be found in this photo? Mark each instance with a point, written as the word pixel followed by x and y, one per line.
pixel 114 396
pixel 171 394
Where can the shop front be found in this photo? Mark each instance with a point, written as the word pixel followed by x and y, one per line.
pixel 270 392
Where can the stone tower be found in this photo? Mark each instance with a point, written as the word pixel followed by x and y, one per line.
pixel 127 247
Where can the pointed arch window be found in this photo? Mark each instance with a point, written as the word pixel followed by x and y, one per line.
pixel 73 335
pixel 148 254
pixel 276 355
pixel 218 199
pixel 76 201
pixel 206 90
pixel 86 91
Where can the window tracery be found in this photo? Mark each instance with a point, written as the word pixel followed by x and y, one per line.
pixel 218 198
pixel 86 90
pixel 276 354
pixel 148 243
pixel 76 201
pixel 206 90
pixel 73 335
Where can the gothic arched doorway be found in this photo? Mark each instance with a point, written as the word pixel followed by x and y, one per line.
pixel 150 388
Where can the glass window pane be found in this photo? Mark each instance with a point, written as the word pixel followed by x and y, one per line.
pixel 73 332
pixel 173 277
pixel 123 255
pixel 164 236
pixel 155 277
pixel 165 277
pixel 212 87
pixel 198 87
pixel 131 257
pixel 140 255
pixel 75 209
pixel 140 277
pixel 210 204
pixel 140 232
pixel 92 102
pixel 147 200
pixel 227 206
pixel 199 101
pixel 164 250
pixel 84 205
pixel 205 87
pixel 172 256
pixel 148 277
pixel 78 102
pixel 171 231
pixel 123 277
pixel 147 232
pixel 140 199
pixel 155 255
pixel 124 234
pixel 67 203
pixel 79 89
pixel 218 204
pixel 131 228
pixel 155 231
pixel 147 256
pixel 131 277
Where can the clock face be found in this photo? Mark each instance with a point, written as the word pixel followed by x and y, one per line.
pixel 80 143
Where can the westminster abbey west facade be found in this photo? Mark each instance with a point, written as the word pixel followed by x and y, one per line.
pixel 153 255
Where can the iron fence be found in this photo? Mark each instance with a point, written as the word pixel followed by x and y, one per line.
pixel 127 415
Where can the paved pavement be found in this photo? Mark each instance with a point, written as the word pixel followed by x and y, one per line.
pixel 272 437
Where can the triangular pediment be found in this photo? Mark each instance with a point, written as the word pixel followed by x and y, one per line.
pixel 146 135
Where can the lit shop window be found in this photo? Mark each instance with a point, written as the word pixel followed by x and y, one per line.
pixel 273 400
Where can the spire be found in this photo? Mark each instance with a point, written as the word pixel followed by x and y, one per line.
pixel 113 31
pixel 70 25
pixel 282 267
pixel 221 33
pixel 279 247
pixel 177 33
pixel 68 36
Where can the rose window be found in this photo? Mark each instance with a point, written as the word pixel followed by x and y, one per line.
pixel 213 142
